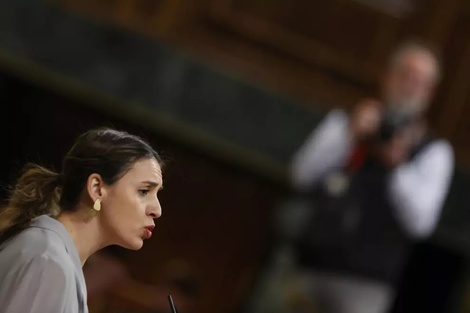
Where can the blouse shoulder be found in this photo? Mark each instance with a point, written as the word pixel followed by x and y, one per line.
pixel 35 245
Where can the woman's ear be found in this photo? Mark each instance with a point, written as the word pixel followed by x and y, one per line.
pixel 95 187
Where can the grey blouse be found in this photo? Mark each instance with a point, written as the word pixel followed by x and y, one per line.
pixel 41 272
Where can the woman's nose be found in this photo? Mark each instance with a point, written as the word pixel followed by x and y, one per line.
pixel 155 210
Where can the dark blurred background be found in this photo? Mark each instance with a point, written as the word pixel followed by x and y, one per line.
pixel 226 90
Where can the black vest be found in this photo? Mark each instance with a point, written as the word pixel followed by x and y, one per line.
pixel 357 233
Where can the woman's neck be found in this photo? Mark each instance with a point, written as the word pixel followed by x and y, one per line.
pixel 84 231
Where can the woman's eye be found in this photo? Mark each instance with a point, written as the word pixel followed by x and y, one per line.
pixel 143 192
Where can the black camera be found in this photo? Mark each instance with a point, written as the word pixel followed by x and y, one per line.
pixel 393 122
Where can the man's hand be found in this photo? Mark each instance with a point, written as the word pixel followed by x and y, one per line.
pixel 365 118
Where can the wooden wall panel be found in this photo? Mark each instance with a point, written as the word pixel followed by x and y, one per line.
pixel 336 35
pixel 344 39
pixel 452 106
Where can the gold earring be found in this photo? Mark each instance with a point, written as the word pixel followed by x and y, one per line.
pixel 97 205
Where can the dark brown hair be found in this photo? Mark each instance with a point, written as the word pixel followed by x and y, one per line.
pixel 39 191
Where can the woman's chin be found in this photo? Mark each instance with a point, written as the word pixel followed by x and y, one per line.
pixel 136 244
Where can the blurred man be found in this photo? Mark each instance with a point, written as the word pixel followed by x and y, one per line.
pixel 380 180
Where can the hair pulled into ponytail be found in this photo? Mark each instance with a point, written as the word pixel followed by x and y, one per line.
pixel 36 192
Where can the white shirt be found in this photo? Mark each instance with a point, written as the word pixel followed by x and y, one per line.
pixel 416 189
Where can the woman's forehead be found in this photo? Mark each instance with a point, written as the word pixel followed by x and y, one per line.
pixel 145 169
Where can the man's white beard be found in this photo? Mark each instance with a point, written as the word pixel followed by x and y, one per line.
pixel 406 105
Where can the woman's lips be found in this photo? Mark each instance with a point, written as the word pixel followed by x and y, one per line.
pixel 148 231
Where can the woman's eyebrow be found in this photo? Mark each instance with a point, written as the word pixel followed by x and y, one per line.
pixel 153 184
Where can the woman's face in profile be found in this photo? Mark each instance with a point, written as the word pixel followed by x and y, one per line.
pixel 130 205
